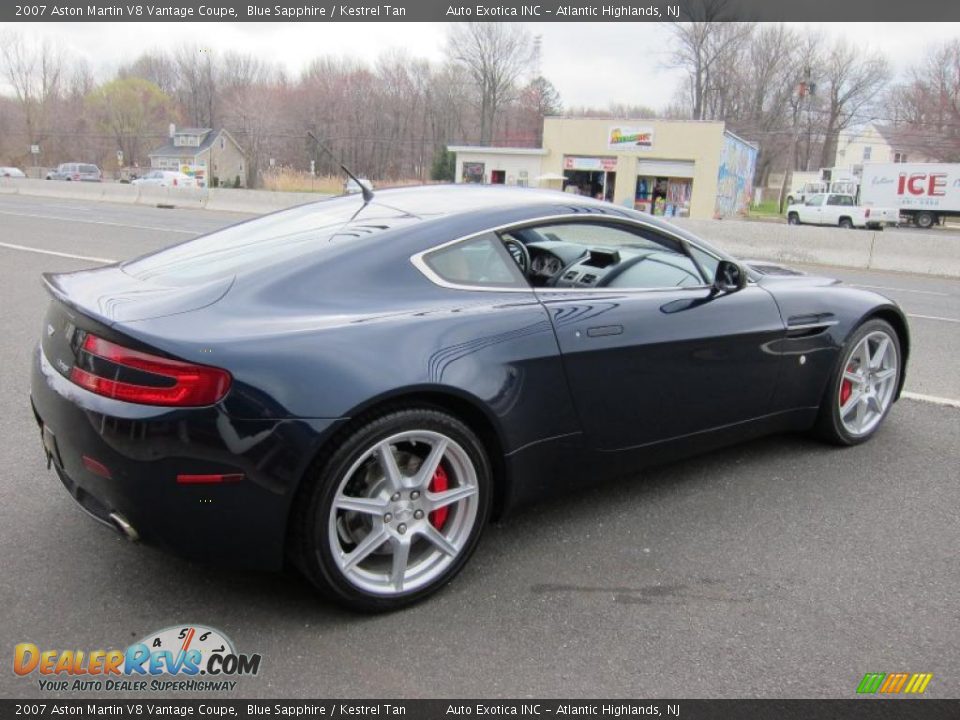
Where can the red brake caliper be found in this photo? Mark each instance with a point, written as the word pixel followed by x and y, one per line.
pixel 439 483
pixel 846 389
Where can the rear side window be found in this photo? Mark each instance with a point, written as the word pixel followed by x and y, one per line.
pixel 88 168
pixel 300 231
pixel 482 261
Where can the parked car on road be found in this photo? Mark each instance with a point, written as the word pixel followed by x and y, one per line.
pixel 166 178
pixel 840 210
pixel 11 172
pixel 356 388
pixel 80 172
pixel 351 186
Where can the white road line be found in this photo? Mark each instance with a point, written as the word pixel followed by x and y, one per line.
pixel 934 317
pixel 54 252
pixel 899 289
pixel 949 402
pixel 102 222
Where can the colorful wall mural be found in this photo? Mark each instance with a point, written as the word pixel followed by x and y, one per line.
pixel 738 161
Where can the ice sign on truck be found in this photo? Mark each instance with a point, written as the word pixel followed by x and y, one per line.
pixel 924 193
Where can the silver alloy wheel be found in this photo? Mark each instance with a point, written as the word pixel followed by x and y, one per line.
pixel 384 527
pixel 868 384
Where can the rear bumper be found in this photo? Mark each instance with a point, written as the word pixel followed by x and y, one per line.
pixel 124 459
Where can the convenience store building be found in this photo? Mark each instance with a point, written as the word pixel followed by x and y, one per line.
pixel 665 167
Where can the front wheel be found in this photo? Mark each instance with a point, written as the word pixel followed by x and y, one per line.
pixel 793 219
pixel 396 511
pixel 863 386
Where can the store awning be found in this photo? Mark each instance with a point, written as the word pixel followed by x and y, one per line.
pixel 666 168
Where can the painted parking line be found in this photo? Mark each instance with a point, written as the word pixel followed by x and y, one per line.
pixel 102 222
pixel 934 317
pixel 40 251
pixel 936 400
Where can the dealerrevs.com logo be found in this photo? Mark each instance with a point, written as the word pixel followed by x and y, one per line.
pixel 179 658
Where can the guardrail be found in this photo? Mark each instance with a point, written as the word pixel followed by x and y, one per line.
pixel 917 251
pixel 923 252
pixel 226 199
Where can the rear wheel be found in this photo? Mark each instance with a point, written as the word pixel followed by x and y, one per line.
pixel 396 511
pixel 846 223
pixel 863 386
pixel 925 220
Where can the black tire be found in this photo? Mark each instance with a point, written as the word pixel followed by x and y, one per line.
pixel 846 223
pixel 829 426
pixel 925 220
pixel 312 548
pixel 793 219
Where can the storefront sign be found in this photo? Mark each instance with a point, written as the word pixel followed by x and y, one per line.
pixel 622 137
pixel 590 163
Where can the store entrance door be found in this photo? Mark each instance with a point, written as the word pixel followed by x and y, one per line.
pixel 597 184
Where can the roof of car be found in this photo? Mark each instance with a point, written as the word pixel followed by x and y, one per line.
pixel 452 199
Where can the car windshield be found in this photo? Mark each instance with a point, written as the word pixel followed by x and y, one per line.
pixel 265 240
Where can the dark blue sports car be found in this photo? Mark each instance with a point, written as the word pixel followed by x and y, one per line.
pixel 357 386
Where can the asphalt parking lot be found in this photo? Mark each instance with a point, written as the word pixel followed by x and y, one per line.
pixel 777 568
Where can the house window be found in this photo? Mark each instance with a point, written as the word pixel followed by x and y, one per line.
pixel 186 140
pixel 899 157
pixel 222 144
pixel 867 152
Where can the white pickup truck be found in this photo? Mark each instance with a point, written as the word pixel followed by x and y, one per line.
pixel 840 210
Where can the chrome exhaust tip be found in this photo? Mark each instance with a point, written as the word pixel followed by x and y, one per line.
pixel 124 527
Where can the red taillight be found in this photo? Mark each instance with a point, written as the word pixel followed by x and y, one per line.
pixel 868 213
pixel 209 479
pixel 185 384
pixel 96 467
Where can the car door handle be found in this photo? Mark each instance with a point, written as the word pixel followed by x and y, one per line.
pixel 602 330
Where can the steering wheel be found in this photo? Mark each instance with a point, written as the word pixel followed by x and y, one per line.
pixel 518 251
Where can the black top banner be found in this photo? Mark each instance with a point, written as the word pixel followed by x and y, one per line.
pixel 485 10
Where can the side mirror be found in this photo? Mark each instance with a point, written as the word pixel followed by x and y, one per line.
pixel 730 277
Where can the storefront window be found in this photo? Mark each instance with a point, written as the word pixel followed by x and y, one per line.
pixel 665 196
pixel 473 172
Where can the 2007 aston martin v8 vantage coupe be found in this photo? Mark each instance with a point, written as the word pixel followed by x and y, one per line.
pixel 358 385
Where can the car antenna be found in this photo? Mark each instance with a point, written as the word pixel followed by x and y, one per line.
pixel 366 191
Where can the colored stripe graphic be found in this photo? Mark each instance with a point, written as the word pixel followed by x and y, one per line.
pixel 894 683
pixel 871 683
pixel 918 683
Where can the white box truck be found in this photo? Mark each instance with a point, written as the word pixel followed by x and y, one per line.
pixel 924 193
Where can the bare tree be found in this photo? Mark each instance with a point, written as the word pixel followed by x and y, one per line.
pixel 34 72
pixel 707 44
pixel 495 55
pixel 197 84
pixel 926 106
pixel 538 99
pixel 854 78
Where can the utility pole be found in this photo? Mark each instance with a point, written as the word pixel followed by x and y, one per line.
pixel 805 90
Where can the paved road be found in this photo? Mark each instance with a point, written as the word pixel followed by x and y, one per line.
pixel 776 568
